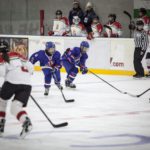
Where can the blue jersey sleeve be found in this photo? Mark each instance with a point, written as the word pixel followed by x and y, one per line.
pixel 35 57
pixel 83 59
pixel 74 55
pixel 57 60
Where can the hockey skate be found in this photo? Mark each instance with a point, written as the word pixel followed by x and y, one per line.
pixel 69 84
pixel 26 128
pixel 46 91
pixel 2 125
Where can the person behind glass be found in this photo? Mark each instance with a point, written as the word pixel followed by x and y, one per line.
pixel 141 44
pixel 77 28
pixel 97 27
pixel 112 28
pixel 60 25
pixel 76 11
pixel 88 18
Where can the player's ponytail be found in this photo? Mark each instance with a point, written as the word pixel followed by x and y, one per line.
pixel 5 56
pixel 4 48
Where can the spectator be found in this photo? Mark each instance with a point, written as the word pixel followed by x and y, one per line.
pixel 60 25
pixel 88 17
pixel 77 28
pixel 146 19
pixel 97 27
pixel 76 11
pixel 113 28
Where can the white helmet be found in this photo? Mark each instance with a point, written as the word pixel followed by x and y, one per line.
pixel 76 20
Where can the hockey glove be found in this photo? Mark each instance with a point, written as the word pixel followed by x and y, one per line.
pixel 84 70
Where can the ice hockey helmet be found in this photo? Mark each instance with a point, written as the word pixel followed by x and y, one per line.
pixel 58 12
pixel 50 45
pixel 113 16
pixel 4 46
pixel 84 44
pixel 143 11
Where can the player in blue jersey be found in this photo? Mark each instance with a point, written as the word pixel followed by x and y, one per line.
pixel 50 63
pixel 74 58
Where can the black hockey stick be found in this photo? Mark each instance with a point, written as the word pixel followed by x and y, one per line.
pixel 139 95
pixel 106 26
pixel 112 85
pixel 128 14
pixel 54 125
pixel 130 17
pixel 66 100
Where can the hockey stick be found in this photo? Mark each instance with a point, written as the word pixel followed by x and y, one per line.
pixel 106 26
pixel 128 14
pixel 130 17
pixel 54 125
pixel 66 100
pixel 139 95
pixel 132 95
pixel 112 85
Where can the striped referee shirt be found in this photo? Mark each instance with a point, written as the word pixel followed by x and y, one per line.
pixel 141 40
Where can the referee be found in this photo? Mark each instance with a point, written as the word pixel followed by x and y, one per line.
pixel 141 44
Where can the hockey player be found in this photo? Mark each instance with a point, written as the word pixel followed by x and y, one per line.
pixel 16 71
pixel 97 27
pixel 115 27
pixel 60 25
pixel 73 58
pixel 50 62
pixel 77 28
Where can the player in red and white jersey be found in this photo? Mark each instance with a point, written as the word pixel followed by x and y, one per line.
pixel 16 71
pixel 115 28
pixel 97 27
pixel 77 28
pixel 60 25
pixel 146 19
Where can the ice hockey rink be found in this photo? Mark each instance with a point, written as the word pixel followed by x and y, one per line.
pixel 101 118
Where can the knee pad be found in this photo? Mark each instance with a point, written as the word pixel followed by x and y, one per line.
pixel 16 107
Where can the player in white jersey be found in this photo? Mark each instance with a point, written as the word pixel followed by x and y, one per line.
pixel 16 71
pixel 60 25
pixel 97 27
pixel 77 28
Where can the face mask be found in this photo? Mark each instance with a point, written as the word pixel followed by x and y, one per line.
pixel 51 50
pixel 84 49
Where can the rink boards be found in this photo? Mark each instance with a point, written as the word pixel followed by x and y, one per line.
pixel 106 55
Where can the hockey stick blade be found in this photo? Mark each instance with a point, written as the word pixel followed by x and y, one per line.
pixel 69 100
pixel 60 125
pixel 66 100
pixel 128 14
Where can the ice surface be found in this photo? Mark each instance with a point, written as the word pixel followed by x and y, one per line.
pixel 101 118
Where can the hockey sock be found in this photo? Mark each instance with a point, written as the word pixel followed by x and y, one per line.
pixel 18 112
pixel 3 105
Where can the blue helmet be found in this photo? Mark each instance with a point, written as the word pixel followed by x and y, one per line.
pixel 84 44
pixel 50 45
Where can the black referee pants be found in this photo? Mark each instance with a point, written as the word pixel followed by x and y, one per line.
pixel 138 56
